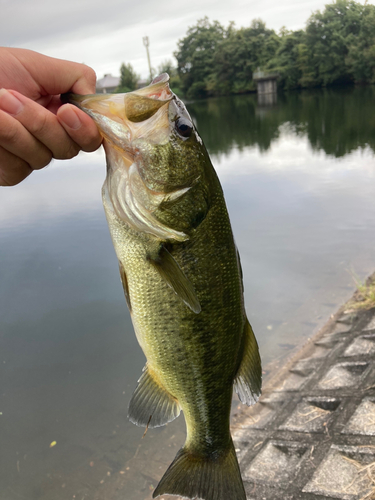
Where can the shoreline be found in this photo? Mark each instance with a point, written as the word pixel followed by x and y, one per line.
pixel 312 434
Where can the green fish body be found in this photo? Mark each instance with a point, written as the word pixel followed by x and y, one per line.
pixel 182 280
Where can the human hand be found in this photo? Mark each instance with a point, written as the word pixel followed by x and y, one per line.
pixel 34 125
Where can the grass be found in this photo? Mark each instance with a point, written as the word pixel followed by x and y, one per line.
pixel 365 296
pixel 365 480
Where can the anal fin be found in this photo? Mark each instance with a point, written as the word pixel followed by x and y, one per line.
pixel 151 405
pixel 174 276
pixel 248 380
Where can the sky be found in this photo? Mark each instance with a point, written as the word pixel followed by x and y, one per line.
pixel 105 33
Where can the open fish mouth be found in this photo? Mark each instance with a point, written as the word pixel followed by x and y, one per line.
pixel 121 117
pixel 124 120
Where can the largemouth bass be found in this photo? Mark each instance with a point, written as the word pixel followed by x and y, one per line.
pixel 181 275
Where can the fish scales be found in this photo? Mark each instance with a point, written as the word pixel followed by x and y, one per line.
pixel 181 275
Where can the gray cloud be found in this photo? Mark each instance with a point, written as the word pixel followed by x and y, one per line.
pixel 103 33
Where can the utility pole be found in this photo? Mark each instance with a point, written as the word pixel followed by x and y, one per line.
pixel 146 43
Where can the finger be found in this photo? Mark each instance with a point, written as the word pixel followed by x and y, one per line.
pixel 41 124
pixel 57 76
pixel 80 127
pixel 15 139
pixel 13 170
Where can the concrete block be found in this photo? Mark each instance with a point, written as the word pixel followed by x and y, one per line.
pixel 343 375
pixel 340 329
pixel 311 415
pixel 305 367
pixel 320 351
pixel 259 419
pixel 343 474
pixel 363 419
pixel 261 414
pixel 348 318
pixel 293 382
pixel 370 325
pixel 364 345
pixel 277 463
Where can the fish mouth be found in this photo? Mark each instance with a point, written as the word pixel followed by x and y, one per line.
pixel 122 118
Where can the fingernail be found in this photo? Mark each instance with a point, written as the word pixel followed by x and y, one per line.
pixel 70 118
pixel 9 103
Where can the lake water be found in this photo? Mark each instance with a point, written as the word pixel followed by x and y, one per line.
pixel 299 181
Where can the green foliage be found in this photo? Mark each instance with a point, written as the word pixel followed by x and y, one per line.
pixel 365 296
pixel 337 46
pixel 167 66
pixel 361 48
pixel 337 121
pixel 195 56
pixel 240 54
pixel 128 78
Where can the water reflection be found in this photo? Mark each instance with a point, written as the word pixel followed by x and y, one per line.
pixel 299 181
pixel 334 121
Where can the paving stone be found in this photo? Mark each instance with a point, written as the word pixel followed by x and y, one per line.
pixel 293 382
pixel 348 318
pixel 261 418
pixel 343 375
pixel 343 474
pixel 370 325
pixel 363 420
pixel 305 367
pixel 328 341
pixel 277 463
pixel 340 328
pixel 363 345
pixel 241 449
pixel 320 351
pixel 311 415
pixel 302 442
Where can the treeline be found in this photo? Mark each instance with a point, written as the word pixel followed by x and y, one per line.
pixel 337 47
pixel 336 121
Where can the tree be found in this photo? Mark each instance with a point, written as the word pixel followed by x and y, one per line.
pixel 338 46
pixel 290 60
pixel 167 66
pixel 240 54
pixel 195 56
pixel 128 78
pixel 327 35
pixel 360 60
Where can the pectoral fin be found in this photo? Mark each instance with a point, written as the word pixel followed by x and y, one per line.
pixel 151 405
pixel 124 281
pixel 174 276
pixel 248 381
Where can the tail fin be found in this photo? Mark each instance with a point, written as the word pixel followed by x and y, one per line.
pixel 205 478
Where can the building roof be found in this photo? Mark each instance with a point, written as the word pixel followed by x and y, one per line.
pixel 108 81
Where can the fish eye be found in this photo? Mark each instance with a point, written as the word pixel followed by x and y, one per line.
pixel 183 127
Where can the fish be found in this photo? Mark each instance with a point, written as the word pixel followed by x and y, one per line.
pixel 182 278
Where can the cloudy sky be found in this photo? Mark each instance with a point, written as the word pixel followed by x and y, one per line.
pixel 104 33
